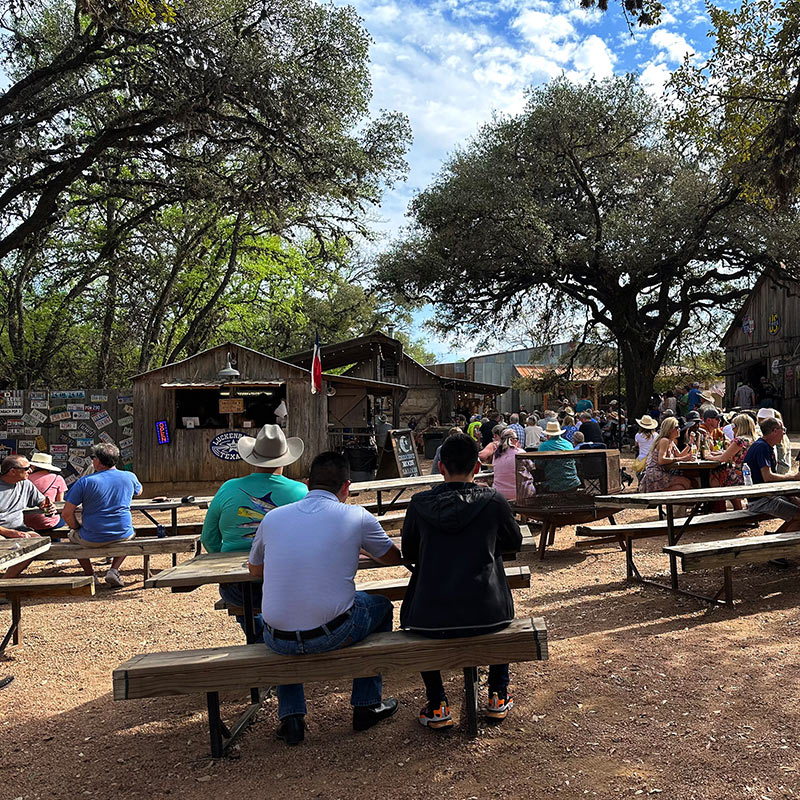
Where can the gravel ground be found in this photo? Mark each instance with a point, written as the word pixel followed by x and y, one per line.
pixel 645 693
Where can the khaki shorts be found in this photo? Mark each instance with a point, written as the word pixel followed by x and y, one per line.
pixel 75 538
pixel 774 507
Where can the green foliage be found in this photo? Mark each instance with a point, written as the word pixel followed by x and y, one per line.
pixel 173 174
pixel 581 205
pixel 742 106
pixel 643 12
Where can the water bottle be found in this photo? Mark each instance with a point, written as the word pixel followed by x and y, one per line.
pixel 747 475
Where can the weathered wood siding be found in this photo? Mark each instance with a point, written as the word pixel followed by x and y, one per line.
pixel 188 457
pixel 425 392
pixel 768 328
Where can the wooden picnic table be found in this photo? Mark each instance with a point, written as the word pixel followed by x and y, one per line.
pixel 399 485
pixel 702 468
pixel 15 551
pixel 146 505
pixel 696 498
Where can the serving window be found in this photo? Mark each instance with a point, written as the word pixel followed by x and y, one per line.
pixel 230 407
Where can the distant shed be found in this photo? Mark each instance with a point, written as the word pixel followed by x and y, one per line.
pixel 199 408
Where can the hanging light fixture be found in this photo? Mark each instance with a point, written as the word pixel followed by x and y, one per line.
pixel 229 373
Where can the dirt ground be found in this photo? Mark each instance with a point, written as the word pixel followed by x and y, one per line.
pixel 645 693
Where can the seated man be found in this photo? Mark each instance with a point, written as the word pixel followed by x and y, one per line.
pixel 561 475
pixel 241 503
pixel 16 494
pixel 307 554
pixel 761 459
pixel 455 535
pixel 105 499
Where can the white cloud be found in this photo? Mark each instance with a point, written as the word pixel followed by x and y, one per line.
pixel 673 46
pixel 654 78
pixel 593 59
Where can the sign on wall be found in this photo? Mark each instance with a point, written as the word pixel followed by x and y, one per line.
pixel 773 324
pixel 223 445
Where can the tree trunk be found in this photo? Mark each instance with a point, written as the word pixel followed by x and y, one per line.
pixel 640 363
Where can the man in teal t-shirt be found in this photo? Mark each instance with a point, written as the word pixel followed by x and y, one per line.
pixel 561 474
pixel 240 504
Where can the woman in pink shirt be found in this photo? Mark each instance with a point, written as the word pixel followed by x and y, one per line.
pixel 504 463
pixel 45 478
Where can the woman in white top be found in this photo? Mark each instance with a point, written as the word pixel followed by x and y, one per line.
pixel 644 442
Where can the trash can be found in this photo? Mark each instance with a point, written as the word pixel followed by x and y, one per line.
pixel 431 442
pixel 363 463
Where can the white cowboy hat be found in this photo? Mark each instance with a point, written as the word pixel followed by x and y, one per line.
pixel 765 413
pixel 647 422
pixel 43 461
pixel 270 448
pixel 553 429
pixel 707 396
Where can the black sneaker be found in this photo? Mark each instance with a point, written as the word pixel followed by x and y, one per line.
pixel 292 729
pixel 365 717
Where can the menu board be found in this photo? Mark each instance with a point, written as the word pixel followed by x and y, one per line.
pixel 398 459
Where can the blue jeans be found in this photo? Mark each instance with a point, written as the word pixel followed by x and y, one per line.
pixel 498 673
pixel 370 613
pixel 233 593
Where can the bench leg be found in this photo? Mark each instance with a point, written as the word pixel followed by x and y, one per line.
pixel 471 700
pixel 727 578
pixel 146 566
pixel 551 538
pixel 174 559
pixel 14 633
pixel 543 539
pixel 221 736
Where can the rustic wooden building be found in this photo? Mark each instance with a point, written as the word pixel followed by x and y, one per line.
pixel 189 415
pixel 424 394
pixel 764 340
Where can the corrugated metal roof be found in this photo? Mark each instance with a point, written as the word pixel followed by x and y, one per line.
pixel 579 374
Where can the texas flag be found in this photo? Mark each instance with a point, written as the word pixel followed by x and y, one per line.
pixel 316 367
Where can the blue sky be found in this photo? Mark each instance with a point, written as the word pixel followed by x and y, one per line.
pixel 450 64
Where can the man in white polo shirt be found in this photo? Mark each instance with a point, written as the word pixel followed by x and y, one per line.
pixel 307 553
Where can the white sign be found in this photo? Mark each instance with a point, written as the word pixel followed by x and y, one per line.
pixel 68 425
pixel 60 415
pixel 776 366
pixel 10 412
pixel 128 409
pixel 38 416
pixel 81 415
pixel 99 398
pixel 40 404
pixel 125 421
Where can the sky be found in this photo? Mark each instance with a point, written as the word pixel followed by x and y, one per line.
pixel 450 64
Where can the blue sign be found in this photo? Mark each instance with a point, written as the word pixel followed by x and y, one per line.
pixel 223 445
pixel 162 432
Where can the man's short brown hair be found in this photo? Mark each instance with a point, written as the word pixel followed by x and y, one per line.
pixel 769 425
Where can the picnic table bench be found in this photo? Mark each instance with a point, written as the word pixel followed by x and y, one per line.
pixel 728 553
pixel 658 527
pixel 15 589
pixel 696 498
pixel 399 485
pixel 394 589
pixel 238 667
pixel 145 547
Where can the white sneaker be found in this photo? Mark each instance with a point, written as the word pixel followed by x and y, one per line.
pixel 113 578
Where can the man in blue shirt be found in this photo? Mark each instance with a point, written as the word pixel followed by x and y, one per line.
pixel 762 462
pixel 694 396
pixel 105 498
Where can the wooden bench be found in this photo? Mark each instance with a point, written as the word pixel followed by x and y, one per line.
pixel 17 588
pixel 393 589
pixel 658 527
pixel 144 547
pixel 728 553
pixel 239 667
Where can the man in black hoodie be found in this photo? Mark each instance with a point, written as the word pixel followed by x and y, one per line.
pixel 455 535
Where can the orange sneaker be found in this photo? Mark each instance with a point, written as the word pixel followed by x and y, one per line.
pixel 436 718
pixel 499 707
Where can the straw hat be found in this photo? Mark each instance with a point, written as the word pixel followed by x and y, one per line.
pixel 270 448
pixel 707 397
pixel 647 422
pixel 553 428
pixel 43 461
pixel 765 413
